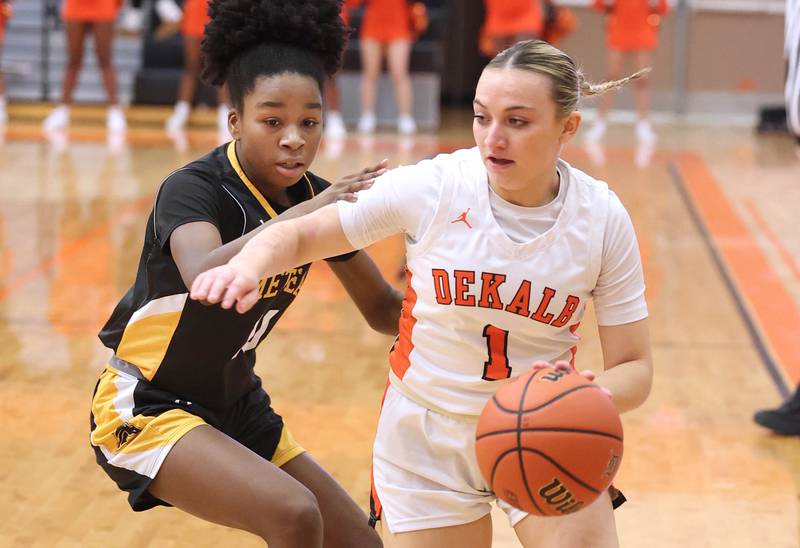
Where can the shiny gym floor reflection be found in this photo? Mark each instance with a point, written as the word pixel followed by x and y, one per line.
pixel 714 210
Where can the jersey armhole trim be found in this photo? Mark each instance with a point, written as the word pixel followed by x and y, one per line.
pixel 435 225
pixel 597 240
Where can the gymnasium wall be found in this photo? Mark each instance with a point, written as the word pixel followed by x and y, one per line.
pixel 726 58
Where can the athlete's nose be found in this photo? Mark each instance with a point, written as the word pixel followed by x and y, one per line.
pixel 292 139
pixel 495 137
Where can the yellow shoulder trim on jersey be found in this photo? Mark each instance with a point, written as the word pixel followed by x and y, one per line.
pixel 250 186
pixel 311 192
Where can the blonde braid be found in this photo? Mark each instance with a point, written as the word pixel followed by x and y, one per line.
pixel 589 89
pixel 568 82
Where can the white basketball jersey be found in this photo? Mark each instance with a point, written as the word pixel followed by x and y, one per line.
pixel 481 308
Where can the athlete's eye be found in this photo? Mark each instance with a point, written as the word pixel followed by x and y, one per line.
pixel 272 122
pixel 480 118
pixel 311 123
pixel 517 122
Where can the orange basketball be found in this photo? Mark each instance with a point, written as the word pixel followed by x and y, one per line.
pixel 549 442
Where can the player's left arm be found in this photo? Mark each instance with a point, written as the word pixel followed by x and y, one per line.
pixel 377 301
pixel 628 364
pixel 619 299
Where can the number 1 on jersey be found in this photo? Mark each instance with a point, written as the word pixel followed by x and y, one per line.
pixel 496 367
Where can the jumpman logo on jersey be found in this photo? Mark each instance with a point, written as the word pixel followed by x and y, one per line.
pixel 462 219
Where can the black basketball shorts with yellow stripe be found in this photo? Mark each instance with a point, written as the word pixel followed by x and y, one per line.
pixel 134 425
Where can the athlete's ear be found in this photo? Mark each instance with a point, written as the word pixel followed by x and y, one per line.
pixel 570 126
pixel 234 124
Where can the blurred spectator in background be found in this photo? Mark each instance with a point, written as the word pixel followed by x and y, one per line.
pixel 791 50
pixel 388 29
pixel 195 17
pixel 632 32
pixel 5 15
pixel 82 18
pixel 132 20
pixel 559 22
pixel 509 21
pixel 334 123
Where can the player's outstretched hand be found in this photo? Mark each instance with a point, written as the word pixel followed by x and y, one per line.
pixel 346 187
pixel 588 374
pixel 226 285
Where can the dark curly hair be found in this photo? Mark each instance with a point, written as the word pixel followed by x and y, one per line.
pixel 247 39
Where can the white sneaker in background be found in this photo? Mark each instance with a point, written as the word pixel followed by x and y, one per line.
pixel 596 132
pixel 596 152
pixel 366 124
pixel 645 133
pixel 179 117
pixel 179 140
pixel 132 20
pixel 168 11
pixel 406 125
pixel 115 120
pixel 333 148
pixel 222 119
pixel 58 137
pixel 643 155
pixel 334 125
pixel 57 119
pixel 115 142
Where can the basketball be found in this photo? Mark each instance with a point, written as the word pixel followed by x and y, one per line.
pixel 549 442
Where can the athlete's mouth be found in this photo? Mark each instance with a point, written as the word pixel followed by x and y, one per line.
pixel 291 165
pixel 499 162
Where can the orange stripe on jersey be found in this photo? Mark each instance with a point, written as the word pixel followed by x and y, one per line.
pixel 574 349
pixel 375 507
pixel 401 350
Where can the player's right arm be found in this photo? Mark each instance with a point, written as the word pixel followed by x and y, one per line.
pixel 403 200
pixel 197 246
pixel 275 249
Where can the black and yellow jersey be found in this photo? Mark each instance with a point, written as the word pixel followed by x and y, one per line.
pixel 198 352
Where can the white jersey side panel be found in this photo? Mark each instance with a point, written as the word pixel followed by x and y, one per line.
pixel 481 308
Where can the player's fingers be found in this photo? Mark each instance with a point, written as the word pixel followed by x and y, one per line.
pixel 588 374
pixel 541 364
pixel 561 365
pixel 380 166
pixel 366 173
pixel 218 287
pixel 200 287
pixel 247 301
pixel 232 294
pixel 361 185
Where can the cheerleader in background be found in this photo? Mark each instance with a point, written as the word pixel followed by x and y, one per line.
pixel 508 22
pixel 632 32
pixel 195 18
pixel 388 29
pixel 82 18
pixel 5 14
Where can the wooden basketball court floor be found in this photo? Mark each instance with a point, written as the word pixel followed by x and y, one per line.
pixel 715 210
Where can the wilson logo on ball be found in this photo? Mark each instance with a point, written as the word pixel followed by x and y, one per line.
pixel 554 376
pixel 559 497
pixel 611 467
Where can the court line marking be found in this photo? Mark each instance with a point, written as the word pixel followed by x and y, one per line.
pixel 763 302
pixel 773 238
pixel 71 247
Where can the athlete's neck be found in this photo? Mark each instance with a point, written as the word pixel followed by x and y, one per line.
pixel 534 193
pixel 274 194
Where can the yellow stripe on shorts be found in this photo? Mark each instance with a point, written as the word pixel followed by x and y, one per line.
pixel 287 449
